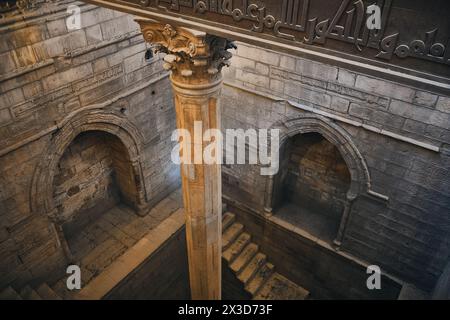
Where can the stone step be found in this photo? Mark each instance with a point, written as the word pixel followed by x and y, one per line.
pixel 28 293
pixel 252 268
pixel 60 288
pixel 47 293
pixel 9 294
pixel 236 248
pixel 231 234
pixel 227 220
pixel 244 258
pixel 260 278
pixel 281 288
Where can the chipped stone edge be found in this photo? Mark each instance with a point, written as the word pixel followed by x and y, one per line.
pixel 101 285
pixel 27 69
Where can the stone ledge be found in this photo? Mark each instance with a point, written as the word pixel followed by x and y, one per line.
pixel 21 71
pixel 96 46
pixel 36 17
pixel 355 123
pixel 26 140
pixel 131 259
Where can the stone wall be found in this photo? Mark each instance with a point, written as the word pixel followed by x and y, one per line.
pixel 93 175
pixel 401 220
pixel 163 276
pixel 53 82
pixel 85 176
pixel 325 272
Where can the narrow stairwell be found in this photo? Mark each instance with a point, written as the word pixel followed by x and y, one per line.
pixel 243 257
pixel 250 266
pixel 40 292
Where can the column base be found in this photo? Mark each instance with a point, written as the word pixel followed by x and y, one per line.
pixel 268 212
pixel 337 244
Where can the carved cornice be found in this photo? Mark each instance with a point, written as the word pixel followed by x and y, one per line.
pixel 190 54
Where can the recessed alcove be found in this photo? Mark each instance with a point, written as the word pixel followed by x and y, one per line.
pixel 94 191
pixel 310 189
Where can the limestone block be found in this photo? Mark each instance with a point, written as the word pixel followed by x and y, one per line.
pixel 98 15
pixel 384 88
pixel 23 37
pixel 134 62
pixel 32 89
pixel 421 114
pixel 276 85
pixel 118 57
pixel 121 25
pixel 443 104
pixel 7 64
pixel 65 77
pixel 425 99
pixel 346 78
pixel 11 98
pixel 288 63
pixel 5 116
pixel 301 92
pixel 259 54
pixel 262 69
pixel 94 34
pixel 58 46
pixel 243 63
pixel 56 27
pixel 437 133
pixel 340 104
pixel 316 70
pixel 253 78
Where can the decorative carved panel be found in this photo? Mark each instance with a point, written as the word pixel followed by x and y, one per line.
pixel 413 39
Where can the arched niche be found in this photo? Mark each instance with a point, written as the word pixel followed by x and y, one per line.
pixel 337 136
pixel 118 129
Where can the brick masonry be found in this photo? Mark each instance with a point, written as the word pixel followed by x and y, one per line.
pixel 48 74
pixel 409 235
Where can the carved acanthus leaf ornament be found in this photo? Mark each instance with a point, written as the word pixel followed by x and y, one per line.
pixel 189 53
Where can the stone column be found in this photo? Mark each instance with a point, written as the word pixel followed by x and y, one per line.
pixel 195 60
pixel 268 200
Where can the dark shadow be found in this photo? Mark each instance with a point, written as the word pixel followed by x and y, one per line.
pixel 310 190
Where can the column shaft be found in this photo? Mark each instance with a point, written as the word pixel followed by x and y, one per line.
pixel 195 60
pixel 202 191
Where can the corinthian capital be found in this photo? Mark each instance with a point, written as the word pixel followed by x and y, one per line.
pixel 190 54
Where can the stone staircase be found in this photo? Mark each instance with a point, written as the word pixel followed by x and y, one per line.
pixel 41 292
pixel 250 266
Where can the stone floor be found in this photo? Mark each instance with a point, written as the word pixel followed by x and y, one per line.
pixel 314 223
pixel 114 232
pixel 109 249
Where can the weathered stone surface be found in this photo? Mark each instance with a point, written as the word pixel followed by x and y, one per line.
pixel 443 104
pixel 48 74
pixel 411 113
pixel 384 88
pixel 34 99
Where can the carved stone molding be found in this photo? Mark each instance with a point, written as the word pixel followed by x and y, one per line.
pixel 192 56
